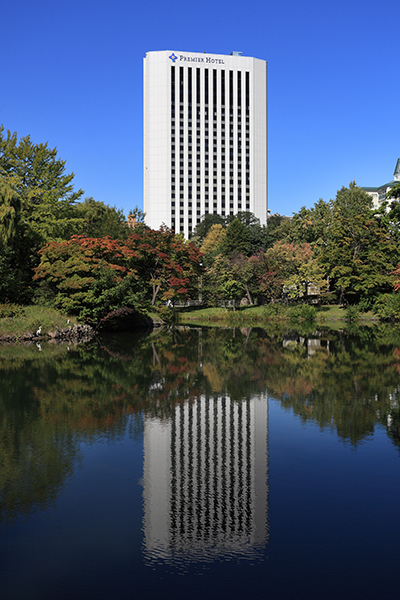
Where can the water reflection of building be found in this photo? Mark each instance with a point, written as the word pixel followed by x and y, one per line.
pixel 206 480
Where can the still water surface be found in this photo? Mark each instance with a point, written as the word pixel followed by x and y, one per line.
pixel 202 463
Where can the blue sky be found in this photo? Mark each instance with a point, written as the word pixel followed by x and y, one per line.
pixel 71 74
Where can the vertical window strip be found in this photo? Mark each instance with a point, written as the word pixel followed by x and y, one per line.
pixel 214 149
pixel 180 224
pixel 190 87
pixel 190 142
pixel 239 139
pixel 181 85
pixel 223 133
pixel 248 140
pixel 173 154
pixel 231 142
pixel 206 141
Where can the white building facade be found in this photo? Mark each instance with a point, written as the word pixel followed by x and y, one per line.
pixel 205 137
pixel 378 194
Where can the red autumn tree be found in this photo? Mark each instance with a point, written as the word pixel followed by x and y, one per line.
pixel 169 263
pixel 90 277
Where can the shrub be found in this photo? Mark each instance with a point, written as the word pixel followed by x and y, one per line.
pixel 11 310
pixel 387 307
pixel 274 309
pixel 366 304
pixel 124 319
pixel 168 314
pixel 352 313
pixel 303 312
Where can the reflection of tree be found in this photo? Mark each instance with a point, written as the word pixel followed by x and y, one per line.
pixel 52 400
pixel 346 384
pixel 36 458
pixel 34 468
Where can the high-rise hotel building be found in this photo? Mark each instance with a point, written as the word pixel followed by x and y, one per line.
pixel 205 137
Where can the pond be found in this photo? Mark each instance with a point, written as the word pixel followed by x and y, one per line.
pixel 202 463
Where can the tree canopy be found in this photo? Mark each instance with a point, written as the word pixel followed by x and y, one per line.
pixel 39 205
pixel 90 277
pixel 85 257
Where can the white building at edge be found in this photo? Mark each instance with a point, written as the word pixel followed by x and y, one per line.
pixel 378 194
pixel 205 137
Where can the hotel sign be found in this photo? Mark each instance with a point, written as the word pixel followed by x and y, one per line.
pixel 197 59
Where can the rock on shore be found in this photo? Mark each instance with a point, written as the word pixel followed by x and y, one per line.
pixel 76 333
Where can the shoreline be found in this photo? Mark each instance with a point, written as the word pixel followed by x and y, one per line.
pixel 75 333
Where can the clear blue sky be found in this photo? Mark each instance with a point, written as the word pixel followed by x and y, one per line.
pixel 71 74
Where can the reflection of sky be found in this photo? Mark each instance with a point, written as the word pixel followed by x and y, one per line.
pixel 332 510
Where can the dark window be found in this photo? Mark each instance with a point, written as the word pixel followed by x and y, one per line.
pixel 190 87
pixel 214 91
pixel 198 87
pixel 181 85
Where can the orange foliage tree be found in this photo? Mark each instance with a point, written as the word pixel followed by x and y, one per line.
pixel 90 277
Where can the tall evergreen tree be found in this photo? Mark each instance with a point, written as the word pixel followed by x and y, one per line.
pixel 37 205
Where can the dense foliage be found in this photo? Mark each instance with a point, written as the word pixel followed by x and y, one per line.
pixel 90 277
pixel 80 255
pixel 38 205
pixel 342 251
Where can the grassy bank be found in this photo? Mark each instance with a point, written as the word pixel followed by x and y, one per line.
pixel 16 320
pixel 256 315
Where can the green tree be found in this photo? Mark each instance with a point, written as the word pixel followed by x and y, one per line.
pixel 278 229
pixel 285 261
pixel 309 278
pixel 100 220
pixel 46 192
pixel 352 201
pixel 212 242
pixel 257 235
pixel 391 209
pixel 223 281
pixel 137 220
pixel 236 239
pixel 358 250
pixel 43 208
pixel 204 227
pixel 10 255
pixel 247 218
pixel 394 192
pixel 358 256
pixel 243 271
pixel 310 225
pixel 10 212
